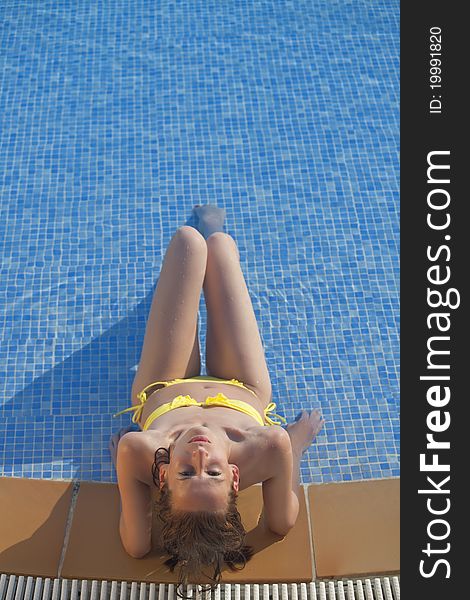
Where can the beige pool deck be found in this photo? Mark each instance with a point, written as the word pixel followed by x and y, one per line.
pixel 69 529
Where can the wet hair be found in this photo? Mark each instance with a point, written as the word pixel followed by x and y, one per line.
pixel 199 539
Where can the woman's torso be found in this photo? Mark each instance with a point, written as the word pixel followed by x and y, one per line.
pixel 247 437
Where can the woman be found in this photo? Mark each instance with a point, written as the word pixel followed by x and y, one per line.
pixel 205 438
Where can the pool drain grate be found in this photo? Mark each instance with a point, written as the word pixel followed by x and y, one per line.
pixel 22 587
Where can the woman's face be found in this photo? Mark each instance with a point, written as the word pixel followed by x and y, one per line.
pixel 199 474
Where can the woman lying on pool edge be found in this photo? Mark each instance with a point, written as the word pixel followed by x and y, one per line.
pixel 212 436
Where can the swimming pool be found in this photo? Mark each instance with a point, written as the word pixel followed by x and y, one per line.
pixel 117 119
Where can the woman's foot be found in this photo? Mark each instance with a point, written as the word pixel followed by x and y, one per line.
pixel 210 219
pixel 303 432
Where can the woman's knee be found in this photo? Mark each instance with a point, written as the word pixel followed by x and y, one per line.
pixel 220 239
pixel 191 237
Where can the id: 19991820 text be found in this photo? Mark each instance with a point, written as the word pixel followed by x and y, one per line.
pixel 435 69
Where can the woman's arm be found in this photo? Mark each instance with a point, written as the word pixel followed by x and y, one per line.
pixel 281 492
pixel 135 524
pixel 115 441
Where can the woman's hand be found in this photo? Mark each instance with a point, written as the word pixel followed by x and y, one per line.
pixel 303 432
pixel 114 442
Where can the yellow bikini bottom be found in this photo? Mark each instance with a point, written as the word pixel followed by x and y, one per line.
pixel 219 400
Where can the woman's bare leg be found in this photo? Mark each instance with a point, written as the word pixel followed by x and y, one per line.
pixel 233 343
pixel 171 345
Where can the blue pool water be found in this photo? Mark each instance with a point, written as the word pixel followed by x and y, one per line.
pixel 117 118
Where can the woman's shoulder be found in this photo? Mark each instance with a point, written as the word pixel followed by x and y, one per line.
pixel 275 436
pixel 141 447
pixel 264 443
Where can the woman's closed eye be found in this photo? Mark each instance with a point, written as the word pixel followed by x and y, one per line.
pixel 190 473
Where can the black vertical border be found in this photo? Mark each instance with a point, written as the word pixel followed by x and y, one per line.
pixel 421 133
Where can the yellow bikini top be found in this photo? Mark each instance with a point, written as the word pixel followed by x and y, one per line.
pixel 219 400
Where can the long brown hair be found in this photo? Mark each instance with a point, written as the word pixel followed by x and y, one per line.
pixel 199 539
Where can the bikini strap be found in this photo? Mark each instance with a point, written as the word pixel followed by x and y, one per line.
pixel 143 393
pixel 137 414
pixel 241 384
pixel 269 412
pixel 138 408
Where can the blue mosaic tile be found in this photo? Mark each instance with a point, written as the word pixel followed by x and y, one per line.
pixel 117 119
